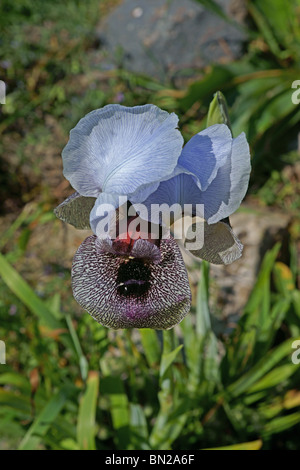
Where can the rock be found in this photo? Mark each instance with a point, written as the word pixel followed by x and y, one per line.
pixel 258 230
pixel 166 39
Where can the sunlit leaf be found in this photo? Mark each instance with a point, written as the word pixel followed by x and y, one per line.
pixel 86 425
pixel 119 408
pixel 22 290
pixel 254 445
pixel 151 346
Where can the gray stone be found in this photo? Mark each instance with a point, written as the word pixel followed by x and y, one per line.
pixel 166 39
pixel 258 229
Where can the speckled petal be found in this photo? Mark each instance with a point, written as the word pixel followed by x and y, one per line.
pixel 221 245
pixel 75 210
pixel 131 293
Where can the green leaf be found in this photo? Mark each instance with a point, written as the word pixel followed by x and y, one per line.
pixel 86 425
pixel 253 445
pixel 45 419
pixel 211 366
pixel 69 444
pixel 281 423
pixel 263 25
pixel 53 303
pixel 15 380
pixel 22 290
pixel 204 89
pixel 168 426
pixel 260 293
pixel 296 302
pixel 279 404
pixel 119 408
pixel 151 346
pixel 275 377
pixel 28 214
pixel 167 359
pixel 278 22
pixel 283 278
pixel 261 368
pixel 138 427
pixel 17 402
pixel 203 324
pixel 83 363
pixel 254 330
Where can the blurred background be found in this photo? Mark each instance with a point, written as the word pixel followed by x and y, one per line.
pixel 228 376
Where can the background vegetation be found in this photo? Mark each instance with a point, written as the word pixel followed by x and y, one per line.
pixel 70 383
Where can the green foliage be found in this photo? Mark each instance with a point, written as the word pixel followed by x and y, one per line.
pixel 198 384
pixel 258 87
pixel 87 413
pixel 70 383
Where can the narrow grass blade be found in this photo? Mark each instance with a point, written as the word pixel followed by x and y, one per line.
pixel 168 359
pixel 22 290
pixel 281 423
pixel 211 369
pixel 87 413
pixel 119 408
pixel 274 377
pixel 151 346
pixel 29 213
pixel 138 427
pixel 261 368
pixel 283 278
pixel 259 295
pixel 203 324
pixel 280 404
pixel 83 364
pixel 265 29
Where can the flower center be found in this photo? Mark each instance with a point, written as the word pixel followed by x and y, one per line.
pixel 133 278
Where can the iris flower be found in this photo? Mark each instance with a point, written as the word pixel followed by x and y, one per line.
pixel 119 157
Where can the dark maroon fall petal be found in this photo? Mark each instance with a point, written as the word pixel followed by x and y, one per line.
pixel 131 292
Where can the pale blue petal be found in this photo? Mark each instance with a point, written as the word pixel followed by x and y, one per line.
pixel 206 152
pixel 222 197
pixel 116 149
pixel 226 192
pixel 179 190
pixel 143 192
